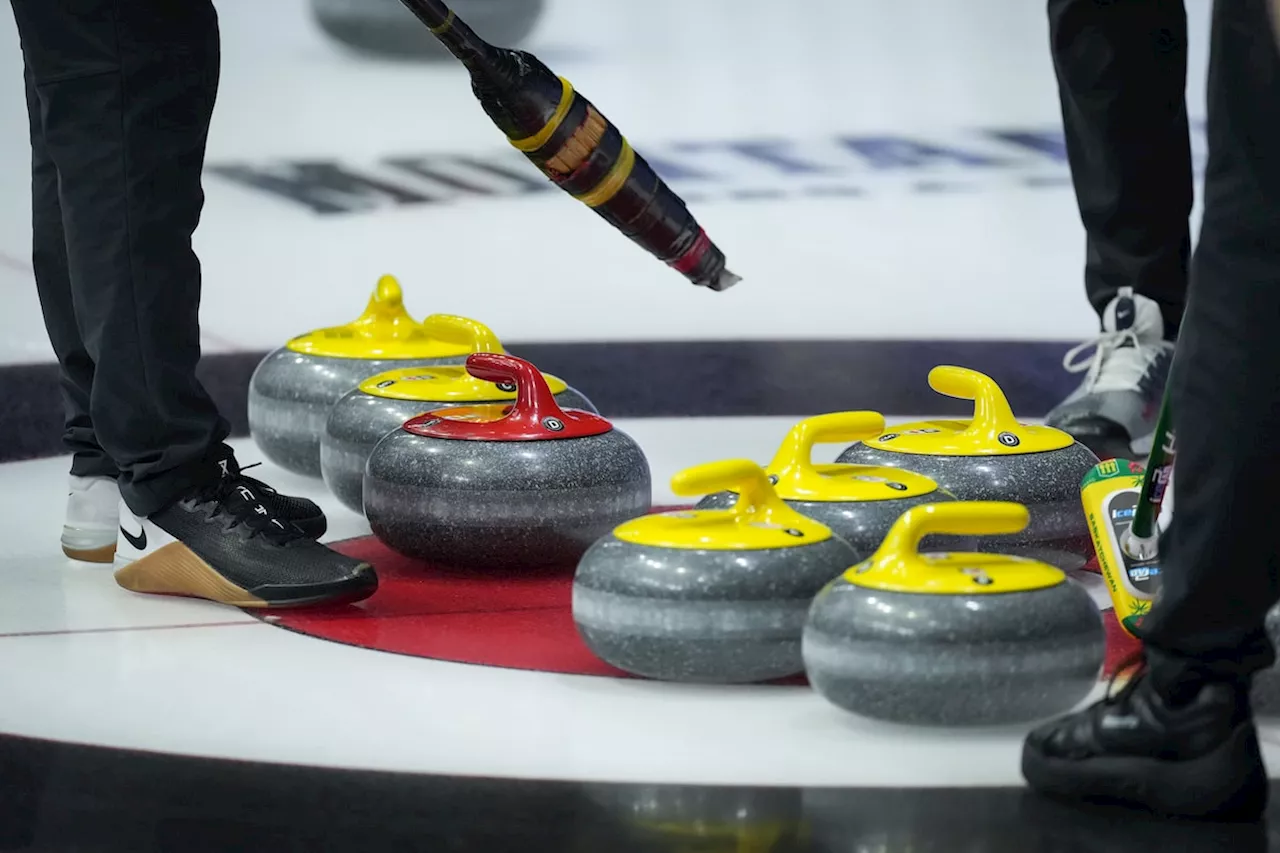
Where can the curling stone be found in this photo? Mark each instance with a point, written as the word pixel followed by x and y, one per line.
pixel 387 28
pixel 993 457
pixel 954 639
pixel 518 486
pixel 858 502
pixel 382 403
pixel 715 595
pixel 293 387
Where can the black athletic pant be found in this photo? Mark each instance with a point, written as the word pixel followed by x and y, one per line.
pixel 1122 72
pixel 1222 552
pixel 120 94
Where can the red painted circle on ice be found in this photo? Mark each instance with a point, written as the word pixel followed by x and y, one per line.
pixel 513 620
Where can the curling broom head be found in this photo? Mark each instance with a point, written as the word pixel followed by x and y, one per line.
pixel 573 144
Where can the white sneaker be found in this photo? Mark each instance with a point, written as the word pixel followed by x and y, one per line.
pixel 1114 411
pixel 92 521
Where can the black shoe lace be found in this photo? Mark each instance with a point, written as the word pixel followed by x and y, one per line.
pixel 256 484
pixel 226 499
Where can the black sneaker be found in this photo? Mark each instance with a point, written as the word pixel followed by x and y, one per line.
pixel 306 514
pixel 1199 759
pixel 223 543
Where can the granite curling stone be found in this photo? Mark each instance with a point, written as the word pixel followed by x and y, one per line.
pixel 954 639
pixel 382 404
pixel 497 487
pixel 993 457
pixel 717 595
pixel 293 388
pixel 858 502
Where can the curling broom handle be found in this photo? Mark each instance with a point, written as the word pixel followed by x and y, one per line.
pixel 459 38
pixel 1141 540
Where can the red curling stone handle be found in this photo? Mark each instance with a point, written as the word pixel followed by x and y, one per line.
pixel 535 415
pixel 534 400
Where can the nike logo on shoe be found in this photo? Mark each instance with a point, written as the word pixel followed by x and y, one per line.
pixel 139 541
pixel 1124 316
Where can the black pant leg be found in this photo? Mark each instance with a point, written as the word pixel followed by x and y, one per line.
pixel 127 92
pixel 1222 554
pixel 53 284
pixel 1122 71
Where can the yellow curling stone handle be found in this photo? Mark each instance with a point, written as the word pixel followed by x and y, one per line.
pixel 990 407
pixel 993 430
pixel 385 306
pixel 795 456
pixel 799 479
pixel 384 331
pixel 993 421
pixel 898 565
pixel 463 331
pixel 758 520
pixel 960 518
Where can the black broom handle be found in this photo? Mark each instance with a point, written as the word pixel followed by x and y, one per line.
pixel 474 52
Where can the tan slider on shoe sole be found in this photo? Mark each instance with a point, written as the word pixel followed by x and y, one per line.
pixel 105 554
pixel 177 570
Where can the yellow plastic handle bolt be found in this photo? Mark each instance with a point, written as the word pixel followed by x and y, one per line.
pixel 961 518
pixel 463 331
pixel 991 412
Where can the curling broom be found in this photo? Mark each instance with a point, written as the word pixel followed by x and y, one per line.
pixel 579 149
pixel 1121 503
